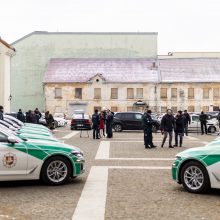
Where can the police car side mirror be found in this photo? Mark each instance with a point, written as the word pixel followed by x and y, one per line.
pixel 12 140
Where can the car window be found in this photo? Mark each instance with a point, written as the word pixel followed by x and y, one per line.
pixel 3 137
pixel 195 118
pixel 138 116
pixel 128 116
pixel 118 116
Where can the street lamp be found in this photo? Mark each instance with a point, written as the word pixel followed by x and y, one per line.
pixel 10 98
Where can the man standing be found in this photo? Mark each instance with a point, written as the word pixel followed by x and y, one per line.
pixel 203 120
pixel 167 126
pixel 49 120
pixel 109 120
pixel 95 124
pixel 187 121
pixel 38 115
pixel 147 125
pixel 20 116
pixel 1 112
pixel 179 128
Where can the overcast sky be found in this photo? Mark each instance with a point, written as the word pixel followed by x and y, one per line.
pixel 182 25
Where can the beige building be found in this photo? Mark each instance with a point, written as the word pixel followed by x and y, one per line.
pixel 132 84
pixel 6 52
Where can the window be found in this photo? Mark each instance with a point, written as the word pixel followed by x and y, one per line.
pixel 130 108
pixel 128 116
pixel 163 93
pixel 163 109
pixel 206 93
pixel 130 93
pixel 195 118
pixel 97 93
pixel 138 116
pixel 174 109
pixel 58 93
pixel 173 92
pixel 78 93
pixel 99 108
pixel 205 108
pixel 3 137
pixel 139 93
pixel 114 93
pixel 114 108
pixel 191 108
pixel 190 93
pixel 216 93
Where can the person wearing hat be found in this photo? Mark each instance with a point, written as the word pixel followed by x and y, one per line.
pixel 147 125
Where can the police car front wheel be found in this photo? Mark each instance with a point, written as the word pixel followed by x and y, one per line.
pixel 56 171
pixel 195 178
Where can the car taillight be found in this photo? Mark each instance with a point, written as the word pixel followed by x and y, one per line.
pixel 73 121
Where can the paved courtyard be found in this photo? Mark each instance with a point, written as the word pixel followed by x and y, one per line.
pixel 122 181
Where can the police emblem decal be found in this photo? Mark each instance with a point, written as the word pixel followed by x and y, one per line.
pixel 9 160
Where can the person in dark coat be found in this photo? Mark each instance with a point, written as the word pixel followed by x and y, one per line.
pixel 167 126
pixel 147 125
pixel 109 121
pixel 28 117
pixel 95 124
pixel 38 115
pixel 1 112
pixel 187 121
pixel 49 120
pixel 203 120
pixel 179 128
pixel 20 115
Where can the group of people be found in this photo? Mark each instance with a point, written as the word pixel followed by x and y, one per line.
pixel 169 124
pixel 102 122
pixel 30 116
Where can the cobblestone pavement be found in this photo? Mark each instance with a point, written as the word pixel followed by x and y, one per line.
pixel 131 193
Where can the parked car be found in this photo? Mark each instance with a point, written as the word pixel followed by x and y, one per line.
pixel 80 121
pixel 195 125
pixel 198 169
pixel 131 121
pixel 52 162
pixel 58 121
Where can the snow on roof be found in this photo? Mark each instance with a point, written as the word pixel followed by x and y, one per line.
pixel 134 70
pixel 190 70
pixel 112 70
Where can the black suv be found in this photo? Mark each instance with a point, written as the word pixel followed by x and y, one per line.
pixel 130 121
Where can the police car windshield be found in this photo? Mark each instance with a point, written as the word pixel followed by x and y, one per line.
pixel 3 127
pixel 5 123
pixel 14 119
pixel 10 135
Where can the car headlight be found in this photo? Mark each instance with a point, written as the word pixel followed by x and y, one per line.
pixel 77 153
pixel 178 158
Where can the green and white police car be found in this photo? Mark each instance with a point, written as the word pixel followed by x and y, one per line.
pixel 53 162
pixel 198 169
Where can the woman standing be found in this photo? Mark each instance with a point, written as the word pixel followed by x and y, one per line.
pixel 102 124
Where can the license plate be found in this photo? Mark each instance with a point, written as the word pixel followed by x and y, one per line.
pixel 80 125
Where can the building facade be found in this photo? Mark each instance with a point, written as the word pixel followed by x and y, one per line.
pixel 35 50
pixel 6 52
pixel 119 84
